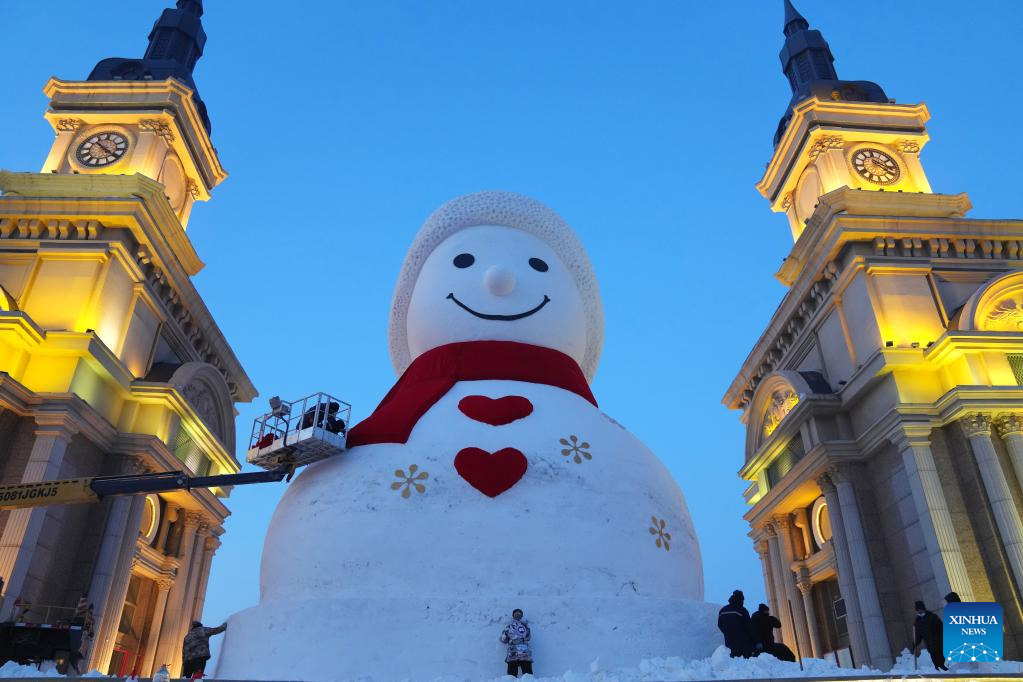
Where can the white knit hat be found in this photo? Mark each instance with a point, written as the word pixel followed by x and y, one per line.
pixel 505 209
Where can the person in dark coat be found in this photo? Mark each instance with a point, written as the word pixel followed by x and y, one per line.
pixel 763 625
pixel 734 623
pixel 517 635
pixel 928 630
pixel 196 649
pixel 952 597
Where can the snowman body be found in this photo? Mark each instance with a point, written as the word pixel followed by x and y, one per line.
pixel 368 572
pixel 404 559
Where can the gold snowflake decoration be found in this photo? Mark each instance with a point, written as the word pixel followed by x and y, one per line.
pixel 658 529
pixel 409 481
pixel 575 449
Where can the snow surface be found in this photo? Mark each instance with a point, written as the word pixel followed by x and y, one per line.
pixel 719 666
pixel 11 670
pixel 357 576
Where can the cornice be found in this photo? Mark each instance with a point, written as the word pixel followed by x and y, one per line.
pixel 132 201
pixel 813 118
pixel 833 223
pixel 36 207
pixel 894 225
pixel 169 101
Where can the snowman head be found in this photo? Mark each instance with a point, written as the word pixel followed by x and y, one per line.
pixel 496 266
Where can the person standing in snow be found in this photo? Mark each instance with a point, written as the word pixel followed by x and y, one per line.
pixel 763 625
pixel 929 631
pixel 196 650
pixel 734 623
pixel 516 635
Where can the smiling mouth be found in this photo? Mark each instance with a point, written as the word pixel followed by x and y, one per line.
pixel 503 318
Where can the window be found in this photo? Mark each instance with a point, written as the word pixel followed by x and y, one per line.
pixel 1016 362
pixel 785 460
pixel 186 450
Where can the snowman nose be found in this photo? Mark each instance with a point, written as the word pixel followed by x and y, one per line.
pixel 499 280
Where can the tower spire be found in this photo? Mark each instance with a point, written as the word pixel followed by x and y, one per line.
pixel 794 21
pixel 806 57
pixel 809 66
pixel 175 45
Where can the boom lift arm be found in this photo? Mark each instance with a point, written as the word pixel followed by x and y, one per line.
pixel 79 490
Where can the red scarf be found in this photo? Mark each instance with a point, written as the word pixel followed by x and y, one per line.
pixel 432 374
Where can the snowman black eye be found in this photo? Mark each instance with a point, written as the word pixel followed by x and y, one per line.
pixel 464 260
pixel 538 265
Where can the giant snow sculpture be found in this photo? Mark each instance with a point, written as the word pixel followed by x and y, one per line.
pixel 487 479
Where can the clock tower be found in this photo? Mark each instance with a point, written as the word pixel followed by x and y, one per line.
pixel 883 404
pixel 110 361
pixel 837 133
pixel 141 116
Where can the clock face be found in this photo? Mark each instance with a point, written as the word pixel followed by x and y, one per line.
pixel 102 149
pixel 875 166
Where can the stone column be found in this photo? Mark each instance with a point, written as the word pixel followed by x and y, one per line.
pixel 846 581
pixel 977 428
pixel 783 522
pixel 764 552
pixel 946 558
pixel 778 572
pixel 153 640
pixel 117 558
pixel 192 582
pixel 21 532
pixel 211 546
pixel 170 515
pixel 805 590
pixel 1010 428
pixel 863 573
pixel 169 649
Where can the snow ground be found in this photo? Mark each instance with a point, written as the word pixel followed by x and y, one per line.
pixel 720 666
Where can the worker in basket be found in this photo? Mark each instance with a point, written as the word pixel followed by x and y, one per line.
pixel 334 424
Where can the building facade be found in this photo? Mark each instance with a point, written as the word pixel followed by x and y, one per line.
pixel 110 363
pixel 883 404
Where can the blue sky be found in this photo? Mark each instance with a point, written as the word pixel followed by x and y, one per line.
pixel 644 124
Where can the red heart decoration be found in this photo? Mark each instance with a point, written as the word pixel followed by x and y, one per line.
pixel 496 412
pixel 491 473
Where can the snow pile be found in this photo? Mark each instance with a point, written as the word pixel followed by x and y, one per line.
pixel 11 669
pixel 721 666
pixel 904 666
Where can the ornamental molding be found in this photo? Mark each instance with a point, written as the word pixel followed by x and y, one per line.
pixel 192 519
pixel 1009 424
pixel 69 125
pixel 779 405
pixel 786 202
pixel 908 146
pixel 782 521
pixel 975 425
pixel 157 127
pixel 33 228
pixel 1006 315
pixel 192 188
pixel 823 144
pixel 826 485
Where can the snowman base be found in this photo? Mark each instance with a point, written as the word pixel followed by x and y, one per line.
pixel 397 638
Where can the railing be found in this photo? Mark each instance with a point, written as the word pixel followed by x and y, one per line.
pixel 299 432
